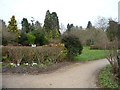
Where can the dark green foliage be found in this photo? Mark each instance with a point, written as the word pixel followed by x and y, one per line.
pixel 23 40
pixel 73 45
pixel 40 37
pixel 3 36
pixel 25 25
pixel 89 26
pixel 47 21
pixel 51 25
pixel 4 41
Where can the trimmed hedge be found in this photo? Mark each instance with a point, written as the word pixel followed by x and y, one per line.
pixel 42 54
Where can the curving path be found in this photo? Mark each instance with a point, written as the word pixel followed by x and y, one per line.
pixel 77 75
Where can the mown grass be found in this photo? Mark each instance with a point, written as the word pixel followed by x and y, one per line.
pixel 106 78
pixel 88 55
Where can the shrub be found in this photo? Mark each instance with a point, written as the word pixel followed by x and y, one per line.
pixel 23 40
pixel 39 55
pixel 31 38
pixel 73 45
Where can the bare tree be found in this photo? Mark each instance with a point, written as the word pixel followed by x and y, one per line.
pixel 102 23
pixel 114 52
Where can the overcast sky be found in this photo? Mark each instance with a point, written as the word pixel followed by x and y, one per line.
pixel 78 12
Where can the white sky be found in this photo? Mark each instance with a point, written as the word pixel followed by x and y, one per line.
pixel 78 12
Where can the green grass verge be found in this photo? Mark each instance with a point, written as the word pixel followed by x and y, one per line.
pixel 106 78
pixel 88 55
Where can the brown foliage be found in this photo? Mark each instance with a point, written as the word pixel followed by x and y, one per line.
pixel 43 54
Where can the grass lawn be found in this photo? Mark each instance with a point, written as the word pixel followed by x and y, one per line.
pixel 88 54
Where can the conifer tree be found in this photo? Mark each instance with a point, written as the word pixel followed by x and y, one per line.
pixel 89 25
pixel 51 25
pixel 12 27
pixel 25 25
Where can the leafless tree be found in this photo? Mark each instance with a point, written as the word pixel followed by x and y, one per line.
pixel 102 23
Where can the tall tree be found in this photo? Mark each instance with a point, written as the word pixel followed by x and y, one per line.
pixel 3 33
pixel 12 27
pixel 51 25
pixel 47 22
pixel 25 25
pixel 55 25
pixel 112 30
pixel 55 21
pixel 89 25
pixel 102 23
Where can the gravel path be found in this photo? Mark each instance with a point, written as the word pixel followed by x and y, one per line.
pixel 77 75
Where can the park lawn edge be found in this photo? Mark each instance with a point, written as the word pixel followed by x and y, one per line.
pixel 90 55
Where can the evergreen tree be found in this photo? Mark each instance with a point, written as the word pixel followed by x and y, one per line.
pixel 89 25
pixel 3 35
pixel 12 27
pixel 47 22
pixel 51 25
pixel 55 25
pixel 55 21
pixel 25 25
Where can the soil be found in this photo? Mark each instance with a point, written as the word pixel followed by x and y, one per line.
pixel 73 75
pixel 33 69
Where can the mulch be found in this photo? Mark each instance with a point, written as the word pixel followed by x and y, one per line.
pixel 34 70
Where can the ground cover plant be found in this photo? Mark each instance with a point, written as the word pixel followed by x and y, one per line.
pixel 107 79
